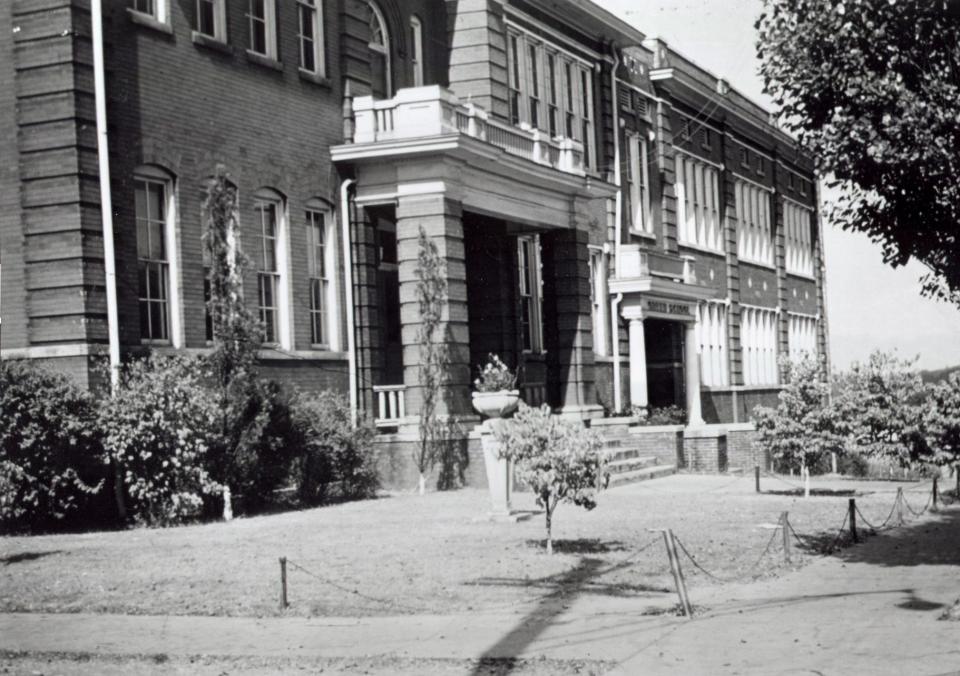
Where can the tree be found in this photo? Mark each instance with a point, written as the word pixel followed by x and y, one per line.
pixel 560 460
pixel 434 356
pixel 941 424
pixel 871 89
pixel 882 402
pixel 803 427
pixel 236 332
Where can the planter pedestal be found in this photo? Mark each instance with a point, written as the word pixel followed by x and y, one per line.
pixel 499 477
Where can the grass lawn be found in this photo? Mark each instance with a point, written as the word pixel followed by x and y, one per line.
pixel 405 554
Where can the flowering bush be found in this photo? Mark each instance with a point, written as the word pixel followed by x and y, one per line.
pixel 49 448
pixel 495 376
pixel 560 460
pixel 156 429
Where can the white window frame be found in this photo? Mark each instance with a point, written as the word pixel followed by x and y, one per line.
pixel 798 233
pixel 384 48
pixel 530 286
pixel 575 110
pixel 269 21
pixel 219 19
pixel 754 223
pixel 712 339
pixel 638 183
pixel 598 300
pixel 802 335
pixel 316 49
pixel 281 275
pixel 155 175
pixel 158 10
pixel 416 50
pixel 759 331
pixel 697 185
pixel 330 310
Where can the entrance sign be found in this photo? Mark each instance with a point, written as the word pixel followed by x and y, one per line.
pixel 666 309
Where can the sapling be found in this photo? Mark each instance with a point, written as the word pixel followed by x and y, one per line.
pixel 560 460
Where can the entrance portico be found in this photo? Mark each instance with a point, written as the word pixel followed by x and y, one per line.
pixel 510 211
pixel 664 295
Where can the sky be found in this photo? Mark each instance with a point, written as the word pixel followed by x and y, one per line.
pixel 870 305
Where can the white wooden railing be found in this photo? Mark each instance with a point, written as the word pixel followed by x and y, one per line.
pixel 533 394
pixel 390 405
pixel 420 112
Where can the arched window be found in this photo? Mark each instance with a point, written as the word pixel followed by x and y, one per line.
pixel 322 277
pixel 379 47
pixel 157 264
pixel 270 253
pixel 416 50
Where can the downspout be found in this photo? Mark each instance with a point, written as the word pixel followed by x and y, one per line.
pixel 615 328
pixel 348 295
pixel 106 219
pixel 617 225
pixel 618 202
pixel 106 201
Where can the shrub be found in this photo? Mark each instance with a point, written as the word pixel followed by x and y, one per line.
pixel 666 415
pixel 156 429
pixel 254 452
pixel 49 449
pixel 560 460
pixel 334 460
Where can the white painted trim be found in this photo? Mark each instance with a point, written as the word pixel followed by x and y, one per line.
pixel 54 351
pixel 386 49
pixel 696 157
pixel 740 177
pixel 559 38
pixel 416 33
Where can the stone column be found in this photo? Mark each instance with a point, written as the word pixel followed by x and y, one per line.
pixel 691 366
pixel 567 324
pixel 638 363
pixel 441 219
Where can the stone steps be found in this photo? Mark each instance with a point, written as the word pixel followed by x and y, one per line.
pixel 635 476
pixel 625 464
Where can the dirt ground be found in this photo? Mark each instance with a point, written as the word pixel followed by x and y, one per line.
pixel 405 554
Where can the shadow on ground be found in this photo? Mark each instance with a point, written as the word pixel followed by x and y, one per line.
pixel 27 556
pixel 819 492
pixel 580 546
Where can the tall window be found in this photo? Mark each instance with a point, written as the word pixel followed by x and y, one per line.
pixel 212 19
pixel 550 89
pixel 799 235
pixel 156 256
pixel 598 300
pixel 416 50
pixel 310 36
pixel 801 335
pixel 698 199
pixel 712 327
pixel 156 9
pixel 262 23
pixel 754 227
pixel 533 85
pixel 528 255
pixel 271 263
pixel 758 342
pixel 638 184
pixel 379 49
pixel 320 264
pixel 553 97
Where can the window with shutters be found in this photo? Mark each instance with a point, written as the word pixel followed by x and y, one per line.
pixel 798 228
pixel 801 335
pixel 758 345
pixel 754 223
pixel 712 334
pixel 698 203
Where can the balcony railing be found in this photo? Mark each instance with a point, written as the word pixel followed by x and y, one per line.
pixel 421 112
pixel 390 405
pixel 638 263
pixel 533 394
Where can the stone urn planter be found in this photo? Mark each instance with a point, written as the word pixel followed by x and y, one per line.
pixel 495 406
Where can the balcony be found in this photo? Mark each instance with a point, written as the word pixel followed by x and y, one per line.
pixel 390 405
pixel 417 114
pixel 638 263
